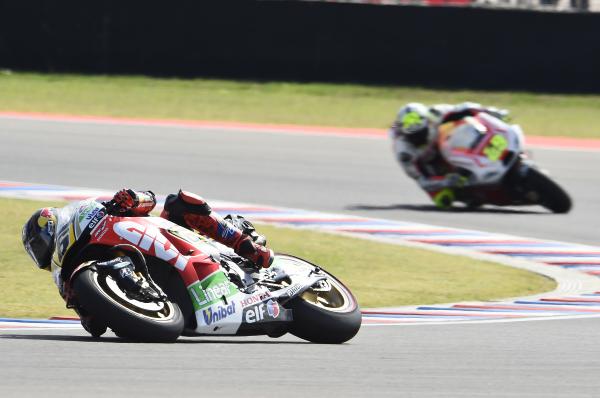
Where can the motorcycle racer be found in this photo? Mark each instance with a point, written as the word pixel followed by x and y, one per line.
pixel 43 235
pixel 415 141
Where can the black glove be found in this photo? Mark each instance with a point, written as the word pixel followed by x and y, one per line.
pixel 246 227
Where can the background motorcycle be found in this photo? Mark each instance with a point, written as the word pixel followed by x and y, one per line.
pixel 188 284
pixel 488 155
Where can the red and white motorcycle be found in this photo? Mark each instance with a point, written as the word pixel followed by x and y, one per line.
pixel 488 155
pixel 191 285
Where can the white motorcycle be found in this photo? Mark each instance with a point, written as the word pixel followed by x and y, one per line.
pixel 488 155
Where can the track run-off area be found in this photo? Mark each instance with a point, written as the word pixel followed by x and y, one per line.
pixel 345 183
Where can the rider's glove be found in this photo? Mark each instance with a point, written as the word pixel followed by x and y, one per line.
pixel 125 199
pixel 137 203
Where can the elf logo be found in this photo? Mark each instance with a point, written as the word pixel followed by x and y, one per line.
pixel 258 313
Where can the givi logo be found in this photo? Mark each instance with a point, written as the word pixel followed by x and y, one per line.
pixel 149 236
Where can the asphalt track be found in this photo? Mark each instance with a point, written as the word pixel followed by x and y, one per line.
pixel 335 174
pixel 343 175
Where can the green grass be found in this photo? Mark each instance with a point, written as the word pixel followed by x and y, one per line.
pixel 379 274
pixel 25 291
pixel 342 105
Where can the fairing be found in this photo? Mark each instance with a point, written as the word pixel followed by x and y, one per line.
pixel 481 144
pixel 219 306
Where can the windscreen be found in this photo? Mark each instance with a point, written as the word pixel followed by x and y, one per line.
pixel 466 136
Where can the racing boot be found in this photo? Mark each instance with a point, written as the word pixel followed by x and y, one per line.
pixel 443 199
pixel 190 210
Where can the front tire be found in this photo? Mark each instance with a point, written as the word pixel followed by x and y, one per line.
pixel 327 316
pixel 100 296
pixel 551 195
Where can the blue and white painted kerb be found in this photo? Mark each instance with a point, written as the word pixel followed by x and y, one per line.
pixel 39 324
pixel 580 300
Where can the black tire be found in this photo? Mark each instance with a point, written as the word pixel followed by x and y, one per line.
pixel 318 323
pixel 551 195
pixel 129 319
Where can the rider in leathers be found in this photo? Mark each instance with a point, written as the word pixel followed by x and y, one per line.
pixel 42 243
pixel 415 135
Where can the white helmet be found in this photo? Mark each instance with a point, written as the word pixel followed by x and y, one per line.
pixel 412 123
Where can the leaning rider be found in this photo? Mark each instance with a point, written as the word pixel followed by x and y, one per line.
pixel 415 135
pixel 186 209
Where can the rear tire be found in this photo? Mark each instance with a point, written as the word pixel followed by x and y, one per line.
pixel 99 295
pixel 324 327
pixel 551 195
pixel 326 317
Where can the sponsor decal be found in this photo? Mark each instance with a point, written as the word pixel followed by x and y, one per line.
pixel 225 231
pixel 96 218
pixel 146 237
pixel 89 216
pixel 256 298
pixel 47 220
pixel 294 289
pixel 101 230
pixel 270 309
pixel 273 308
pixel 85 210
pixel 216 314
pixel 93 213
pixel 211 290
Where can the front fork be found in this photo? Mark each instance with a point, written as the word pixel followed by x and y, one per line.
pixel 515 181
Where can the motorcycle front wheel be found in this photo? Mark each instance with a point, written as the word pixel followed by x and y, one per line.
pixel 101 297
pixel 551 195
pixel 327 313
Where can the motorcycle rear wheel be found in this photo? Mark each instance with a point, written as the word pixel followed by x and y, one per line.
pixel 101 297
pixel 551 195
pixel 327 317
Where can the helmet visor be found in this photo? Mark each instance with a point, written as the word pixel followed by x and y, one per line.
pixel 39 245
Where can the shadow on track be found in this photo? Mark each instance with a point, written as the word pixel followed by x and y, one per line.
pixel 114 339
pixel 55 337
pixel 432 208
pixel 198 340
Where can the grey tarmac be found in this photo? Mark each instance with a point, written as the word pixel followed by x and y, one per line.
pixel 347 175
pixel 520 359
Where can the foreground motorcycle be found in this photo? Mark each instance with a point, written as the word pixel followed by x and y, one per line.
pixel 190 285
pixel 488 154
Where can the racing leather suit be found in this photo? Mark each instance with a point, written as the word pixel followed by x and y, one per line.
pixel 425 163
pixel 185 209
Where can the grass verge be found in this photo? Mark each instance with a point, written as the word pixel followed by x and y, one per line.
pixel 341 105
pixel 379 274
